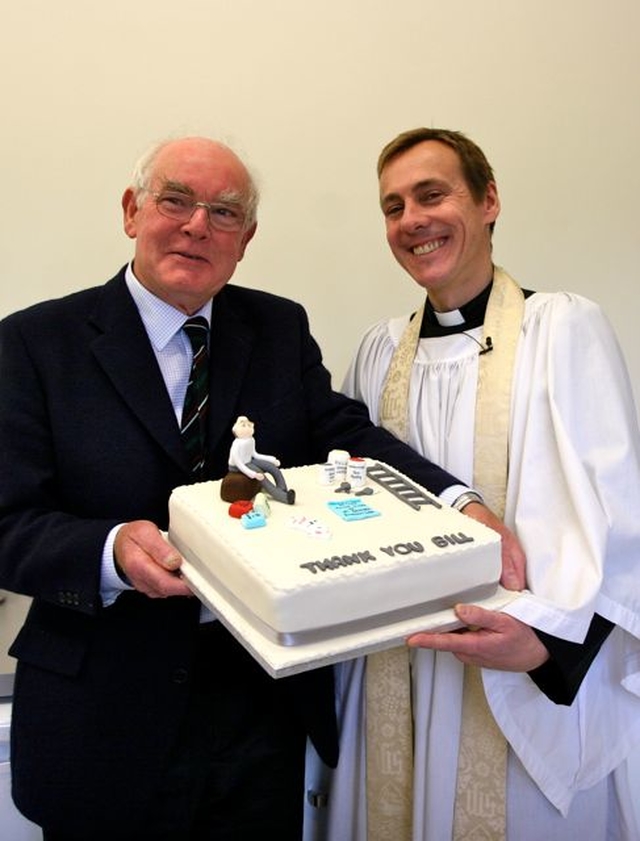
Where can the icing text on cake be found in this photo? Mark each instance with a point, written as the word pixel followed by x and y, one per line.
pixel 337 561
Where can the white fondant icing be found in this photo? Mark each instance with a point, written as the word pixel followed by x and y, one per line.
pixel 293 583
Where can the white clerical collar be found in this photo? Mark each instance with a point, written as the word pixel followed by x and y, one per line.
pixel 449 319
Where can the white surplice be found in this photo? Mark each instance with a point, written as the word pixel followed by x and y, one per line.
pixel 573 499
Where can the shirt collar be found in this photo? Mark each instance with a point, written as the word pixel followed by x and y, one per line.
pixel 160 319
pixel 469 315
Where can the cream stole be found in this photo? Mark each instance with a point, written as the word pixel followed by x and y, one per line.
pixel 480 810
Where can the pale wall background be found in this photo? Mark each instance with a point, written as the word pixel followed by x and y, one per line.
pixel 308 93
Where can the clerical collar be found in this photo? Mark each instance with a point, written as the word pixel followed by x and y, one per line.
pixel 469 315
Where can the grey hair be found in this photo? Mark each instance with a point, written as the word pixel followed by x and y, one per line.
pixel 143 168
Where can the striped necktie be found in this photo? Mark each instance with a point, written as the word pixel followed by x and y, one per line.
pixel 193 427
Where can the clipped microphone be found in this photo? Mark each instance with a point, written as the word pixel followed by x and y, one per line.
pixel 488 346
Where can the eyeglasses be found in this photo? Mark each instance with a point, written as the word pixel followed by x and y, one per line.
pixel 223 216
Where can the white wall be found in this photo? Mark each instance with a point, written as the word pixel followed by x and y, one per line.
pixel 309 93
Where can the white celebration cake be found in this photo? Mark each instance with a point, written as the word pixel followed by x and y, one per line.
pixel 343 558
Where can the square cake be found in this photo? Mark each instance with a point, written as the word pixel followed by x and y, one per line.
pixel 341 559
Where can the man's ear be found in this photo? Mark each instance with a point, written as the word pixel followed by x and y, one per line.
pixel 130 212
pixel 491 203
pixel 246 239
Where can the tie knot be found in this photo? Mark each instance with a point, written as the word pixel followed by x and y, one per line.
pixel 197 329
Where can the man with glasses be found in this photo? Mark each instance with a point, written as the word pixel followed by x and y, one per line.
pixel 136 715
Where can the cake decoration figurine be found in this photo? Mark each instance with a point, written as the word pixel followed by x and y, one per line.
pixel 261 504
pixel 245 459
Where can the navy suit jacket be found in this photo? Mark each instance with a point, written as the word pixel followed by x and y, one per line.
pixel 89 439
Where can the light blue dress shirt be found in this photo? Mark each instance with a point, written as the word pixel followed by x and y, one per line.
pixel 172 348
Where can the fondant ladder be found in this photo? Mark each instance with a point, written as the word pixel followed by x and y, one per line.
pixel 400 487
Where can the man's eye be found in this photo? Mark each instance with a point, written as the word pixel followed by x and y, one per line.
pixel 432 197
pixel 225 211
pixel 174 200
pixel 393 210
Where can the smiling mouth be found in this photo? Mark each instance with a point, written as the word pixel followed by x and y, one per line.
pixel 428 247
pixel 186 256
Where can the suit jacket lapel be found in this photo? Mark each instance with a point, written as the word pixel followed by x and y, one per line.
pixel 123 350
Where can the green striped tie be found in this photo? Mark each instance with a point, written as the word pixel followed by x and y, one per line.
pixel 193 427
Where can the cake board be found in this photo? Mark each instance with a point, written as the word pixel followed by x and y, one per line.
pixel 284 660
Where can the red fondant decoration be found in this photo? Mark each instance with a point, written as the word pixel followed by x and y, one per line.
pixel 240 507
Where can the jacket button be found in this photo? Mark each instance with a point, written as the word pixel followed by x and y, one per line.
pixel 180 675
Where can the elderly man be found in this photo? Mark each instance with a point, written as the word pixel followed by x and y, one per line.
pixel 136 715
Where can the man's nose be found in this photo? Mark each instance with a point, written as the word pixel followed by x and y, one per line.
pixel 414 216
pixel 198 225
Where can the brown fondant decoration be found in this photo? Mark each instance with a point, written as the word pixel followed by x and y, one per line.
pixel 237 486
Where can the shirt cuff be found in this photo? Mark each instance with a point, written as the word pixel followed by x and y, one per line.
pixel 451 494
pixel 111 583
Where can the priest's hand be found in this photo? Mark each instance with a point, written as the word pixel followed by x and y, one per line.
pixel 489 639
pixel 513 558
pixel 148 561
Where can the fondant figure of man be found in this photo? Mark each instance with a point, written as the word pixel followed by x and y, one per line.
pixel 244 457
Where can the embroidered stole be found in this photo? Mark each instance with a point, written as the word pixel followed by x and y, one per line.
pixel 389 722
pixel 480 810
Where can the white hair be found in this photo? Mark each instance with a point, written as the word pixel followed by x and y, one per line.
pixel 143 169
